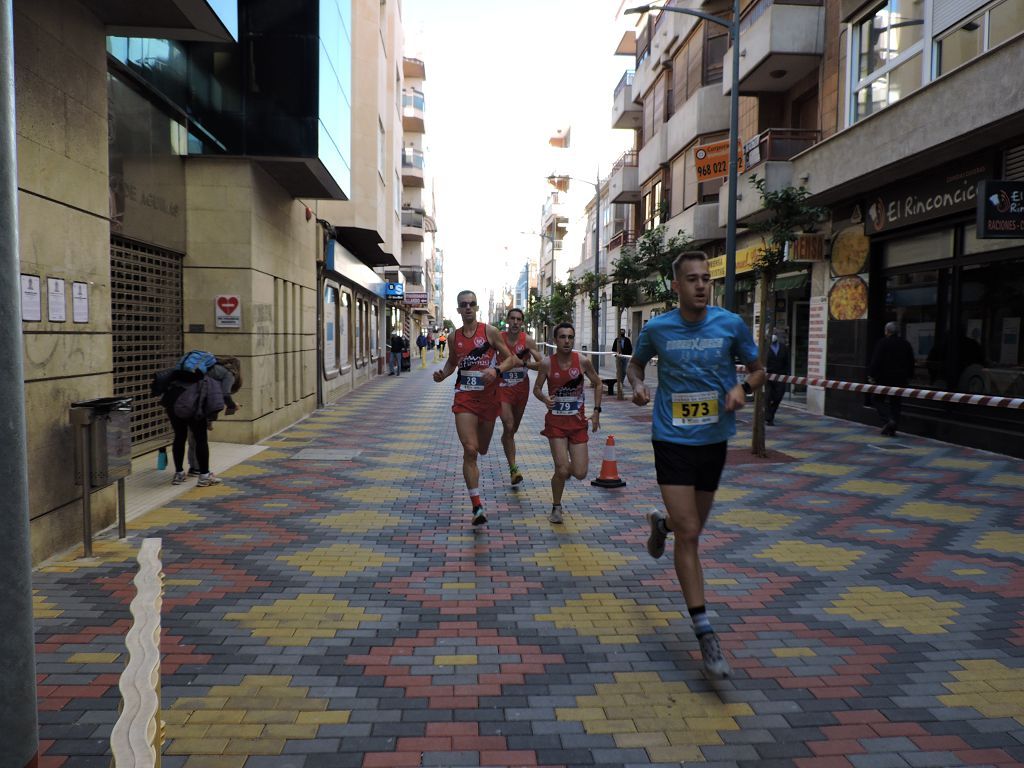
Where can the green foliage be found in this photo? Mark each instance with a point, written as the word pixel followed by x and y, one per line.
pixel 788 215
pixel 644 269
pixel 546 312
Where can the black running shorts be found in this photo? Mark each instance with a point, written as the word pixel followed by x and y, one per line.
pixel 697 465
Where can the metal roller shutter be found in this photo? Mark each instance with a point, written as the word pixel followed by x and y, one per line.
pixel 1013 164
pixel 146 312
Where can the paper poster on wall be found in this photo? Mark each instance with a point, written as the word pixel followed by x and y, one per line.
pixel 80 302
pixel 31 299
pixel 56 301
pixel 817 337
pixel 228 311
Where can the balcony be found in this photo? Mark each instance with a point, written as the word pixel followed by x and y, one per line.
pixel 707 111
pixel 777 145
pixel 700 222
pixel 780 44
pixel 413 111
pixel 653 154
pixel 412 167
pixel 772 163
pixel 413 227
pixel 620 238
pixel 626 113
pixel 413 69
pixel 624 180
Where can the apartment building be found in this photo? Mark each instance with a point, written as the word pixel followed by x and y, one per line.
pixel 890 113
pixel 554 225
pixel 223 171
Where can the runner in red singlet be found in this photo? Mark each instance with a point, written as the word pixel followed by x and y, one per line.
pixel 474 351
pixel 514 389
pixel 565 423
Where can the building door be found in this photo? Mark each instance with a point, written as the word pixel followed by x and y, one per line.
pixel 146 318
pixel 799 323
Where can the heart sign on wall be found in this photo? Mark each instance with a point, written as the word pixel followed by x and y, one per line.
pixel 229 311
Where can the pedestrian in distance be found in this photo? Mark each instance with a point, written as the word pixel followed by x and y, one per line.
pixel 421 345
pixel 514 389
pixel 698 347
pixel 442 339
pixel 565 423
pixel 476 348
pixel 892 365
pixel 227 372
pixel 623 348
pixel 397 346
pixel 776 361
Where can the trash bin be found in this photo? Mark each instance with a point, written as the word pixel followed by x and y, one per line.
pixel 108 420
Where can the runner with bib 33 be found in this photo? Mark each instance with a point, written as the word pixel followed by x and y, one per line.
pixel 514 389
pixel 694 416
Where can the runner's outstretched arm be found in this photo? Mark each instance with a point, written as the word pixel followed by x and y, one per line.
pixel 635 374
pixel 508 360
pixel 446 370
pixel 588 369
pixel 535 355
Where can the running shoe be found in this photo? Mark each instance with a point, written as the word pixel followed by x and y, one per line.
pixel 479 518
pixel 656 541
pixel 208 479
pixel 556 514
pixel 517 476
pixel 178 479
pixel 711 652
pixel 194 472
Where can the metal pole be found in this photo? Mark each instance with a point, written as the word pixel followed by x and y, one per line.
pixel 122 520
pixel 85 454
pixel 19 728
pixel 595 343
pixel 734 149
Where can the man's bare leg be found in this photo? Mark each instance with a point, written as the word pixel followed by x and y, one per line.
pixel 467 425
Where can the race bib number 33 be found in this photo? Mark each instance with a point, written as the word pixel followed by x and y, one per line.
pixel 690 409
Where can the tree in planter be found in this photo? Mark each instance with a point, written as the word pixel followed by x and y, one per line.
pixel 788 215
pixel 545 312
pixel 644 268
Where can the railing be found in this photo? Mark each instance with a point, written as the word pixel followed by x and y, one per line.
pixel 777 144
pixel 758 9
pixel 627 158
pixel 410 219
pixel 137 737
pixel 412 158
pixel 625 82
pixel 621 238
pixel 414 99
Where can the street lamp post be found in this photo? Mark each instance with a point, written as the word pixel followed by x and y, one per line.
pixel 733 25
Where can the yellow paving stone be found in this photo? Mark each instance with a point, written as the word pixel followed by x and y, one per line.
pixel 43 608
pixel 337 559
pixel 640 740
pixel 162 517
pixel 459 585
pixel 875 487
pixel 377 494
pixel 825 470
pixel 952 513
pixel 580 559
pixel 324 717
pixel 362 521
pixel 268 716
pixel 756 519
pixel 408 459
pixel 722 582
pixel 730 494
pixel 674 754
pixel 455 661
pixel 1002 541
pixel 196 747
pixel 219 716
pixel 1014 481
pixel 271 456
pixel 968 571
pixel 895 609
pixel 201 702
pixel 678 736
pixel 221 761
pixel 809 555
pixel 388 474
pixel 609 726
pixel 794 652
pixel 943 462
pixel 93 658
pixel 294 731
pixel 103 551
pixel 571 521
pixel 245 470
pixel 172 582
pixel 1006 702
pixel 235 730
pixel 206 492
pixel 255 747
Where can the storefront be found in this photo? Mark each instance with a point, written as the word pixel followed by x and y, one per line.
pixel 957 298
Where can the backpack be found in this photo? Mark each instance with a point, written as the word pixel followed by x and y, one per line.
pixel 197 361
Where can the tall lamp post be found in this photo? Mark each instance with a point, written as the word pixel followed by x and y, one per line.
pixel 595 305
pixel 733 25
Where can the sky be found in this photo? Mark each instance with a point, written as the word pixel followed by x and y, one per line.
pixel 502 77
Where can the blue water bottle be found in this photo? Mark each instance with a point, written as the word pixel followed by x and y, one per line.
pixel 161 459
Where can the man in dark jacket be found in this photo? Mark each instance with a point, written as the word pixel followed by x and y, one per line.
pixel 892 365
pixel 776 361
pixel 623 348
pixel 397 346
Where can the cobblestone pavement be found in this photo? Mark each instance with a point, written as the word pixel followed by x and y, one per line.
pixel 329 605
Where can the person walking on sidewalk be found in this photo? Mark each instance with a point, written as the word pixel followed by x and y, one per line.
pixel 623 348
pixel 776 361
pixel 697 347
pixel 474 351
pixel 514 389
pixel 892 365
pixel 397 346
pixel 442 339
pixel 565 423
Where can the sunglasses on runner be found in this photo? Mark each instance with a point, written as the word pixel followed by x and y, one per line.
pixel 466 304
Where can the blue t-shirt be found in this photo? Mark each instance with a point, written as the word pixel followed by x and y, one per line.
pixel 696 367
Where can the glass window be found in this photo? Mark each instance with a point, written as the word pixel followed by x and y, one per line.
pixel 989 349
pixel 960 46
pixel 344 322
pixel 935 246
pixel 1004 21
pixel 899 82
pixel 972 244
pixel 330 329
pixel 918 301
pixel 886 68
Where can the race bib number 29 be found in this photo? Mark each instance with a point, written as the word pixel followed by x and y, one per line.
pixel 691 409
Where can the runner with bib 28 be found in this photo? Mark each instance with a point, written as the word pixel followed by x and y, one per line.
pixel 698 348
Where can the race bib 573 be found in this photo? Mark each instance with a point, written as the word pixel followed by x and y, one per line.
pixel 690 409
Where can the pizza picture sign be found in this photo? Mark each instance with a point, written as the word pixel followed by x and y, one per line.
pixel 228 311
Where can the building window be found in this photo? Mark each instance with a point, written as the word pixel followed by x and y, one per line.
pixel 886 65
pixel 969 39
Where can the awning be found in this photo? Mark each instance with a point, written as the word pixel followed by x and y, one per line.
pixel 365 245
pixel 790 282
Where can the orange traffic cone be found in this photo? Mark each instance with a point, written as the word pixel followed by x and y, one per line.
pixel 609 477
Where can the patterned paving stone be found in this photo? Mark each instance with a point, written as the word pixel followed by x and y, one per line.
pixel 330 605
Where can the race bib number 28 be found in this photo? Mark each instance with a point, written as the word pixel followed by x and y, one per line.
pixel 471 381
pixel 691 409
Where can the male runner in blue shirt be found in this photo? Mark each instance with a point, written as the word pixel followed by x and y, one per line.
pixel 694 416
